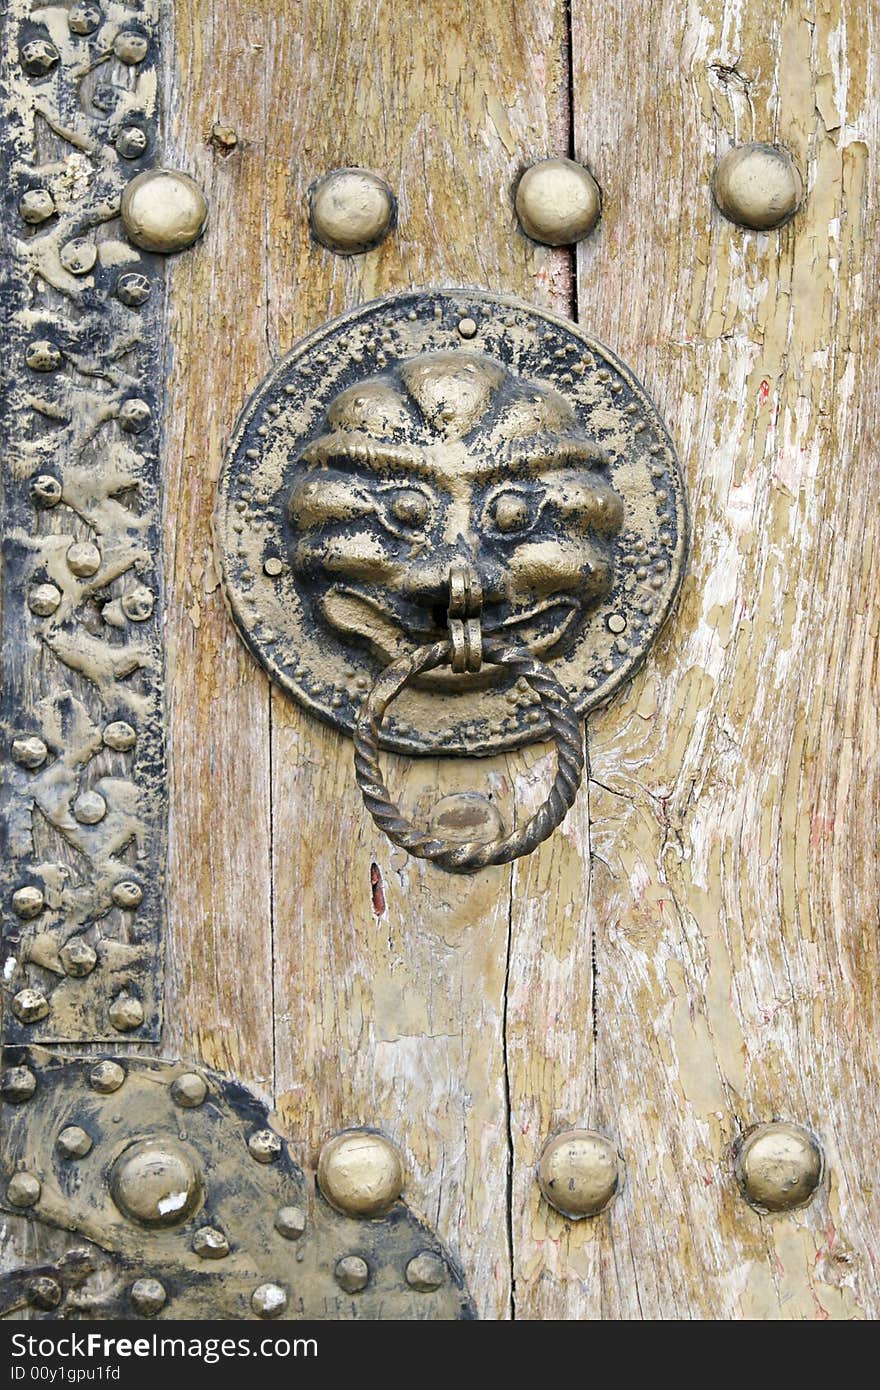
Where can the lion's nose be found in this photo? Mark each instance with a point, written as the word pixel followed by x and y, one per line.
pixel 426 581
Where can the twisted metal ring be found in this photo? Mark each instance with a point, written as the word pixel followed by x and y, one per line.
pixel 463 858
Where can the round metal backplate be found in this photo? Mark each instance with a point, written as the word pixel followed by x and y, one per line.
pixel 443 426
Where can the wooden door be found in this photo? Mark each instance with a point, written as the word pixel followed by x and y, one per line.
pixel 695 951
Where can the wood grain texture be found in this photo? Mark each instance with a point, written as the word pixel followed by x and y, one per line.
pixel 734 896
pixel 394 1017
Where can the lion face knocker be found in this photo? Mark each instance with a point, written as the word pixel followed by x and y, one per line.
pixel 442 433
pixel 449 458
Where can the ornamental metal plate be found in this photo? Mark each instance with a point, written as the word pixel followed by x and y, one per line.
pixel 436 429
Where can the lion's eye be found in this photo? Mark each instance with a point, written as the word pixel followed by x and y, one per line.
pixel 409 507
pixel 511 512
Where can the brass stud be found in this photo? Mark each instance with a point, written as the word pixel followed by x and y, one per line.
pixel 106 1077
pixel 557 202
pixel 188 1090
pixel 269 1300
pixel 134 416
pixel 39 57
pixel 83 18
pixel 73 1142
pixel 44 1292
pixel 426 1271
pixel 89 808
pixel 78 958
pixel 579 1172
pixel 131 142
pixel 126 1012
pixel 23 1190
pixel 148 1297
pixel 83 559
pixel 120 736
pixel 43 599
pixel 210 1244
pixel 29 752
pixel 30 1005
pixel 360 1173
pixel 351 210
pixel 138 604
pixel 264 1146
pixel 133 289
pixel 36 205
pixel 778 1166
pixel 163 210
pixel 78 256
pixel 46 491
pixel 43 356
pixel 352 1273
pixel 273 566
pixel 127 894
pixel 18 1085
pixel 290 1222
pixel 28 902
pixel 757 186
pixel 130 47
pixel 467 327
pixel 155 1183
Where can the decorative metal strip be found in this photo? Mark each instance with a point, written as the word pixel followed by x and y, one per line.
pixel 183 1202
pixel 82 799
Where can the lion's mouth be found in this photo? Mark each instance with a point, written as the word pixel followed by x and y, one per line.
pixel 539 629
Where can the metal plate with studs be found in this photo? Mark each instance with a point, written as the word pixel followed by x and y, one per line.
pixel 82 774
pixel 176 1177
pixel 436 428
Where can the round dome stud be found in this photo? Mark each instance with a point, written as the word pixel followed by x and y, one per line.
pixel 360 1173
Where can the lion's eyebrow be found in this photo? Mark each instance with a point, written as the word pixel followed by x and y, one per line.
pixel 558 453
pixel 340 447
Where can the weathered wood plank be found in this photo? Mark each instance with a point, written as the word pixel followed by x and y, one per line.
pixel 734 898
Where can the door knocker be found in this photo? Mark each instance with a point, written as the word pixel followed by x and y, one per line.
pixel 458 502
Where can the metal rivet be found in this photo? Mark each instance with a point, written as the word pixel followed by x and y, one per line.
pixel 579 1172
pixel 352 1273
pixel 23 1190
pixel 73 1142
pixel 188 1090
pixel 38 57
pixel 127 894
pixel 89 808
pixel 463 817
pixel 264 1146
pixel 360 1173
pixel 778 1166
pixel 126 1012
pixel 223 137
pixel 467 328
pixel 290 1222
pixel 84 559
pixel 83 18
pixel 18 1085
pixel 210 1244
pixel 28 902
pixel 130 47
pixel 273 566
pixel 269 1300
pixel 616 622
pixel 557 202
pixel 138 604
pixel 148 1297
pixel 351 210
pixel 120 736
pixel 133 289
pixel 30 1005
pixel 131 142
pixel 78 256
pixel 43 599
pixel 44 1292
pixel 134 416
pixel 426 1271
pixel 29 752
pixel 106 1077
pixel 163 210
pixel 46 490
pixel 36 206
pixel 156 1183
pixel 43 356
pixel 757 186
pixel 78 958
